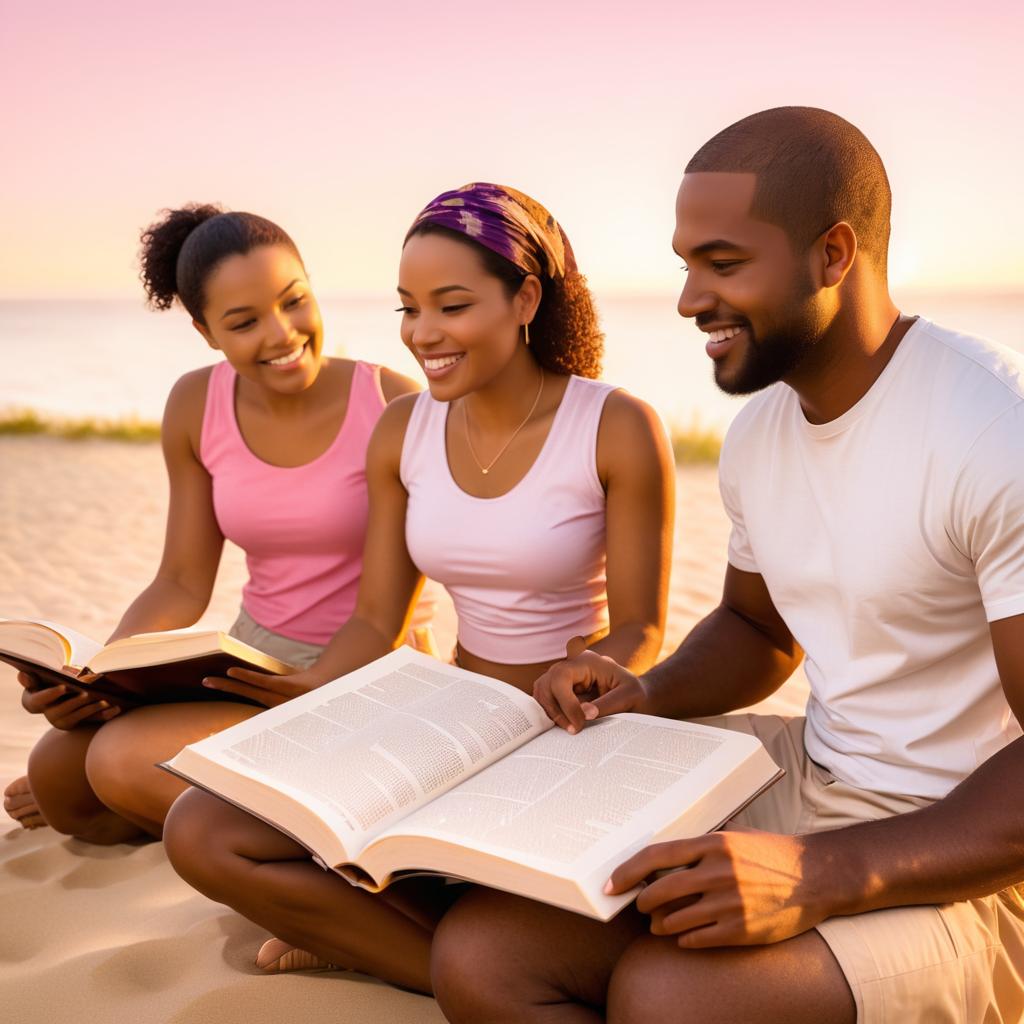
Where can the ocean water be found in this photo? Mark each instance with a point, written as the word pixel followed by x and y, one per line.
pixel 115 359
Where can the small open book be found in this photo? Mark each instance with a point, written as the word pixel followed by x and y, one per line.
pixel 150 668
pixel 410 766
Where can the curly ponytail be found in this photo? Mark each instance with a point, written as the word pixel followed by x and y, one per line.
pixel 180 251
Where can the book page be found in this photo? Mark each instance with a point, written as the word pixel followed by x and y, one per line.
pixel 364 750
pixel 164 634
pixel 560 797
pixel 144 650
pixel 41 644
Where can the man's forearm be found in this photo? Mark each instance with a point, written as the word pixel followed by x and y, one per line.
pixel 969 844
pixel 725 663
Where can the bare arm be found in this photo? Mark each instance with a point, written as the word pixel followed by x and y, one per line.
pixel 390 582
pixel 760 887
pixel 388 587
pixel 739 654
pixel 971 843
pixel 734 657
pixel 181 589
pixel 636 468
pixel 193 543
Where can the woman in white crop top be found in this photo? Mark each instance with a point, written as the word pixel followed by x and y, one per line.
pixel 539 497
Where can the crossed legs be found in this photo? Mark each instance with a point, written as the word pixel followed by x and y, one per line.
pixel 236 859
pixel 498 958
pixel 63 794
pixel 101 783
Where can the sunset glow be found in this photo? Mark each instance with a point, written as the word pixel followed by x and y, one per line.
pixel 341 120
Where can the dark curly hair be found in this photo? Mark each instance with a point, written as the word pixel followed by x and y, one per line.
pixel 181 250
pixel 565 335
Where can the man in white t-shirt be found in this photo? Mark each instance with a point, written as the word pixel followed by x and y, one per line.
pixel 876 492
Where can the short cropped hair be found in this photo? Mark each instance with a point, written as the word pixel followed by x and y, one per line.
pixel 813 170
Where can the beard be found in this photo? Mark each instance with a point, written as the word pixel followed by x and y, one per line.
pixel 777 350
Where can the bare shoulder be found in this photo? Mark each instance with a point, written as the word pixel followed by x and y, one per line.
pixel 183 413
pixel 629 412
pixel 395 418
pixel 631 443
pixel 630 429
pixel 389 433
pixel 396 384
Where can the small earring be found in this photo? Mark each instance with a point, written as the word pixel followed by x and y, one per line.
pixel 526 331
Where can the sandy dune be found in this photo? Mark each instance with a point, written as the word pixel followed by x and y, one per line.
pixel 111 934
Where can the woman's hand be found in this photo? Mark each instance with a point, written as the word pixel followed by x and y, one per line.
pixel 65 706
pixel 585 686
pixel 264 688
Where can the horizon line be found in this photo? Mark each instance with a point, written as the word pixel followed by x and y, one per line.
pixel 998 292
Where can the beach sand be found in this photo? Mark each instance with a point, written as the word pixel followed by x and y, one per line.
pixel 110 933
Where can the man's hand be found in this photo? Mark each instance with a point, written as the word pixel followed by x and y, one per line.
pixel 266 689
pixel 585 686
pixel 737 888
pixel 64 706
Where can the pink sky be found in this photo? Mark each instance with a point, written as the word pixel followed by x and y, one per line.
pixel 340 120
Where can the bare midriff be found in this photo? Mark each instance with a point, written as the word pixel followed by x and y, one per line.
pixel 521 676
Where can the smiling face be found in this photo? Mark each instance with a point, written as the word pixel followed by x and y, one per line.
pixel 457 319
pixel 745 286
pixel 261 313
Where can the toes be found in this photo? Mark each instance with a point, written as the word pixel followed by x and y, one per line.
pixel 21 805
pixel 18 788
pixel 276 955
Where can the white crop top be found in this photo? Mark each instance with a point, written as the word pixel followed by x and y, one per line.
pixel 525 570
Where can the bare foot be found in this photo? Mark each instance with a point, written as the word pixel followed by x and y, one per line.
pixel 276 955
pixel 21 805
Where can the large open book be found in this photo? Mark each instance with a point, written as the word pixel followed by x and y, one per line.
pixel 409 766
pixel 150 668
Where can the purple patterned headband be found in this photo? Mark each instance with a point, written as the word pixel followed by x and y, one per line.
pixel 505 221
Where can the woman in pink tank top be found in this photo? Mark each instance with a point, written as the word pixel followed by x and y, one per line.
pixel 539 497
pixel 266 449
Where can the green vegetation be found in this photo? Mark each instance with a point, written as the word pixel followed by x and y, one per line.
pixel 695 444
pixel 690 445
pixel 25 422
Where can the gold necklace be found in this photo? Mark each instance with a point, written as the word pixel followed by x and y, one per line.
pixel 465 418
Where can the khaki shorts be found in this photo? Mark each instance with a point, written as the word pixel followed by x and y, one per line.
pixel 955 963
pixel 294 652
pixel 301 654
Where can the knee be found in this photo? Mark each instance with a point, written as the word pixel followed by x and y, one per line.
pixel 191 840
pixel 468 954
pixel 56 775
pixel 109 766
pixel 46 765
pixel 123 760
pixel 795 980
pixel 649 983
pixel 120 763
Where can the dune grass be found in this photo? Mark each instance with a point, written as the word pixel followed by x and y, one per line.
pixel 695 444
pixel 691 445
pixel 28 422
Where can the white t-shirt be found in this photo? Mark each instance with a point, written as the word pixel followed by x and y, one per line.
pixel 888 539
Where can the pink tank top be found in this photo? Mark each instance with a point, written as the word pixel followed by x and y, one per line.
pixel 526 570
pixel 302 528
